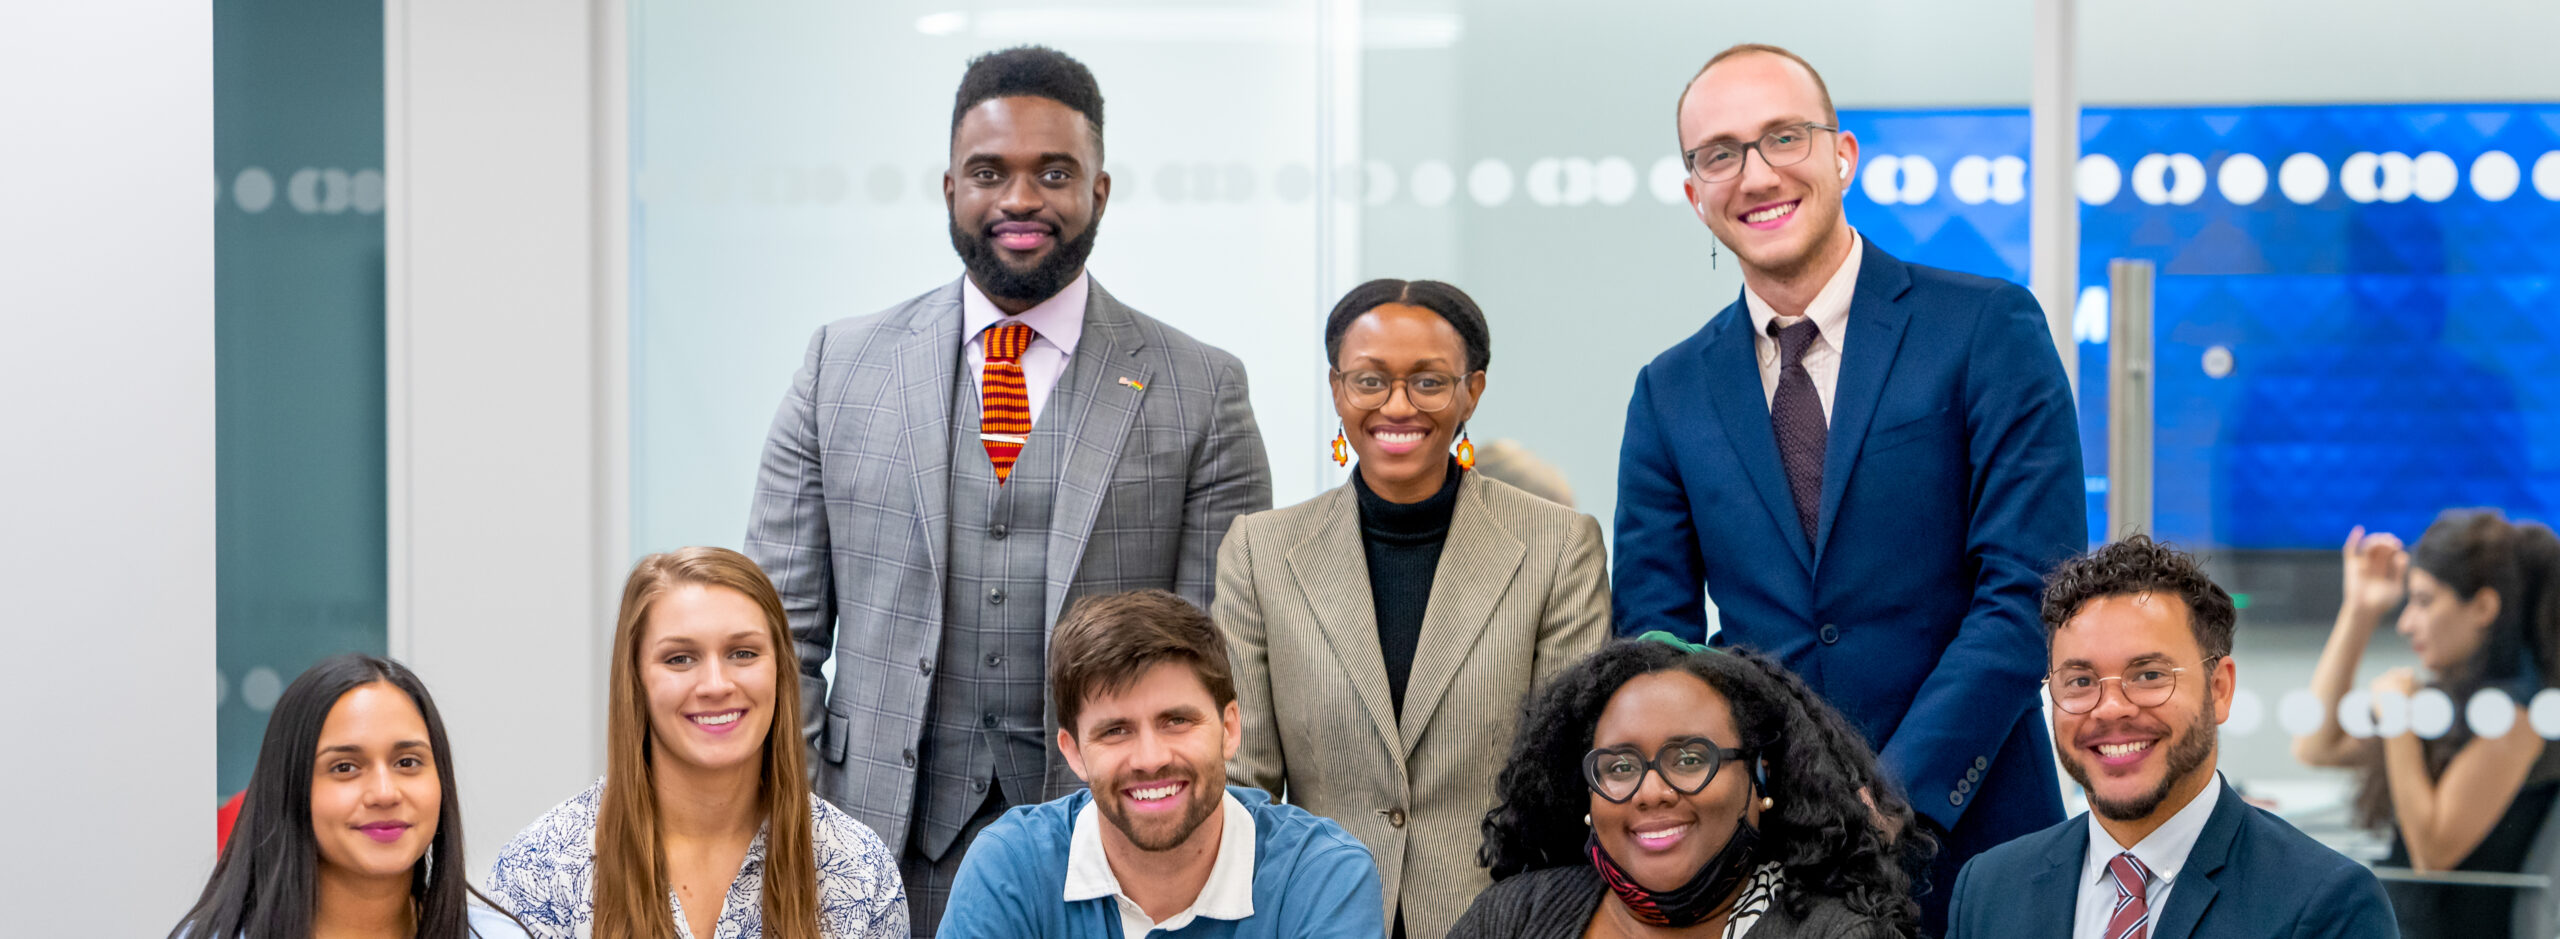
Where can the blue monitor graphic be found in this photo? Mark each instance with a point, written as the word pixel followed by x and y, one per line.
pixel 2356 318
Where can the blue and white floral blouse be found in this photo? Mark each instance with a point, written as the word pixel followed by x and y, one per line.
pixel 547 875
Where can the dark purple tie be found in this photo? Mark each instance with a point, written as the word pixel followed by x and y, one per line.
pixel 1796 414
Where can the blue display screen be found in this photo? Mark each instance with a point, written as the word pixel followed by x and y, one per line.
pixel 2356 316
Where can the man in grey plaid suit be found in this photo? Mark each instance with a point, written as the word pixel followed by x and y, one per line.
pixel 926 544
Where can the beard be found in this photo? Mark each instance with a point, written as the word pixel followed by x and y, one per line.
pixel 1052 273
pixel 2186 756
pixel 1197 802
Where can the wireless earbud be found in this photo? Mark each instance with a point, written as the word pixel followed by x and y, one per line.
pixel 1844 167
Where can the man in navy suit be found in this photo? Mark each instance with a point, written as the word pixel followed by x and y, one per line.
pixel 1868 464
pixel 2167 851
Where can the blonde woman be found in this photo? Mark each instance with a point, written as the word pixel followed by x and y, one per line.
pixel 704 826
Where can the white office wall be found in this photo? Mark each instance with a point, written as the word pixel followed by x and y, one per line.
pixel 106 463
pixel 503 456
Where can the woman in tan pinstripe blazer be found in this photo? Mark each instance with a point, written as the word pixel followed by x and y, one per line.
pixel 1386 633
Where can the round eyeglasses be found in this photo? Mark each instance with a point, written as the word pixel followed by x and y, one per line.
pixel 1368 390
pixel 2077 690
pixel 1721 160
pixel 1686 764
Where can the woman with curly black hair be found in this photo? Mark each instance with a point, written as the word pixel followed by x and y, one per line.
pixel 1722 798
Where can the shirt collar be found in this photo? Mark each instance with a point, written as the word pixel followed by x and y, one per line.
pixel 1228 894
pixel 1059 319
pixel 2165 850
pixel 1829 308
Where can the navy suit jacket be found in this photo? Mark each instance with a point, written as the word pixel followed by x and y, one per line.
pixel 1951 484
pixel 2280 885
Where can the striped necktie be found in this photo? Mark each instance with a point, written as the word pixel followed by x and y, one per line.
pixel 1004 417
pixel 2132 916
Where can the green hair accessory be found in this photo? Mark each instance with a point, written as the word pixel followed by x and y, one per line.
pixel 1673 641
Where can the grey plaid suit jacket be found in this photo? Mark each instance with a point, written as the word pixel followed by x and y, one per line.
pixel 851 514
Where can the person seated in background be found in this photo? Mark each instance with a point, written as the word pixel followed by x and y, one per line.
pixel 2481 615
pixel 1721 796
pixel 704 824
pixel 1158 842
pixel 2142 678
pixel 1385 633
pixel 350 825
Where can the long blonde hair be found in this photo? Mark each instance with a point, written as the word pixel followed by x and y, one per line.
pixel 631 883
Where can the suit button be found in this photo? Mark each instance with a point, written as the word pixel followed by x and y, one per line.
pixel 1981 762
pixel 1395 818
pixel 995 595
pixel 989 720
pixel 1955 798
pixel 1964 786
pixel 1830 634
pixel 1973 774
pixel 908 758
pixel 995 661
pixel 977 785
pixel 999 532
pixel 924 667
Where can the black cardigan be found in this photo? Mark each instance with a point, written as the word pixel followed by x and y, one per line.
pixel 1558 903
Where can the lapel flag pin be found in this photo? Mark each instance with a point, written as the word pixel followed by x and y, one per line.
pixel 1133 383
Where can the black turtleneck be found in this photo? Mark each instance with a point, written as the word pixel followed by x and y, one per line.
pixel 1403 544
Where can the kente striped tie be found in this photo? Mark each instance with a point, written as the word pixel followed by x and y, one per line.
pixel 1004 419
pixel 2132 918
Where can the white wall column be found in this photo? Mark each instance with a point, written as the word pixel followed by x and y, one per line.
pixel 504 345
pixel 107 489
pixel 2053 165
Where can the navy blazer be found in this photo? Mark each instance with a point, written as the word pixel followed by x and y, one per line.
pixel 1951 484
pixel 2281 883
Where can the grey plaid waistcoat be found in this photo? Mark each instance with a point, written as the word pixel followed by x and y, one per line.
pixel 983 716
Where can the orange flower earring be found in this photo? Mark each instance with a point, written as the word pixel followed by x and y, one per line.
pixel 1466 452
pixel 1341 448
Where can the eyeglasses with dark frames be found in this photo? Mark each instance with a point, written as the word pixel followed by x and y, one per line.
pixel 2078 690
pixel 1784 146
pixel 1686 764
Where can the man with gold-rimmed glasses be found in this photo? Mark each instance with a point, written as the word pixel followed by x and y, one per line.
pixel 1867 464
pixel 2141 679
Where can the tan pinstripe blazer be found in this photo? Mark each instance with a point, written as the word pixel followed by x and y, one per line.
pixel 1522 591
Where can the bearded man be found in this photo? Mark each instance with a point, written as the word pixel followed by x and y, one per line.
pixel 945 475
pixel 2142 678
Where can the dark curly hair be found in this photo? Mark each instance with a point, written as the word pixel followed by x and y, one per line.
pixel 1820 831
pixel 2134 565
pixel 1033 71
pixel 1450 302
pixel 2470 550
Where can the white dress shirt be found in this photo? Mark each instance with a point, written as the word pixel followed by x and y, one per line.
pixel 2164 851
pixel 1228 895
pixel 1829 312
pixel 1059 321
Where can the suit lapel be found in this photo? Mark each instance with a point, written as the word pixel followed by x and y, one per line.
pixel 1476 563
pixel 1876 320
pixel 2195 890
pixel 1332 572
pixel 2053 894
pixel 1097 402
pixel 1733 382
pixel 927 364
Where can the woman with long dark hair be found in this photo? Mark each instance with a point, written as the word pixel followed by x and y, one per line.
pixel 2483 615
pixel 1662 789
pixel 704 825
pixel 350 826
pixel 1385 633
